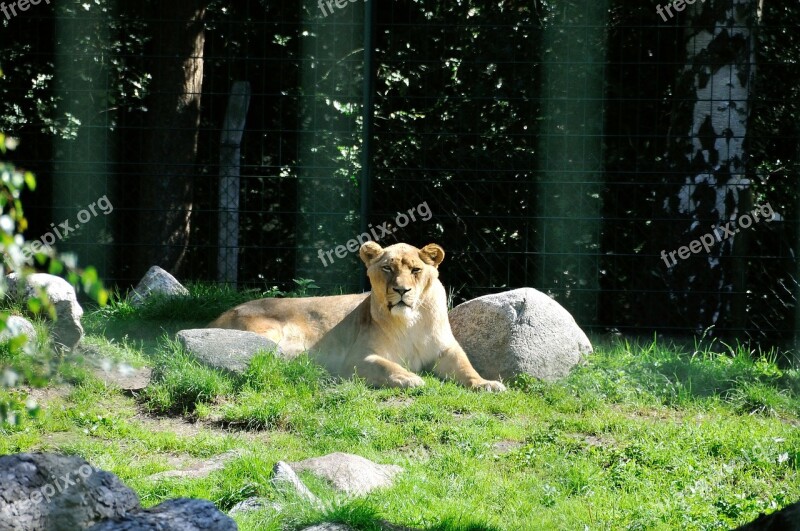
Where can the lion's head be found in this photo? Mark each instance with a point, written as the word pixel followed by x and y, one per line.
pixel 401 276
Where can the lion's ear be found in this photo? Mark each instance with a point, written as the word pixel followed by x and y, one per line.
pixel 432 254
pixel 369 252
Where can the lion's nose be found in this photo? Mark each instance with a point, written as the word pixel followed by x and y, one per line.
pixel 402 291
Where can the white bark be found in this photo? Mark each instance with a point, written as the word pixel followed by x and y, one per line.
pixel 715 154
pixel 722 99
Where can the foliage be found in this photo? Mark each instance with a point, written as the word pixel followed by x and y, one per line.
pixel 31 93
pixel 22 359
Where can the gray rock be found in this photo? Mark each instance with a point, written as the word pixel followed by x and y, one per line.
pixel 49 492
pixel 519 331
pixel 230 350
pixel 181 514
pixel 196 469
pixel 67 330
pixel 351 474
pixel 283 478
pixel 254 504
pixel 156 282
pixel 16 326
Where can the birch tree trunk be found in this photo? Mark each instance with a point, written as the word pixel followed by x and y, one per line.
pixel 707 151
pixel 229 155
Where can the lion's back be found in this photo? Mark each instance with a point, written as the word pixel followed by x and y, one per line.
pixel 291 322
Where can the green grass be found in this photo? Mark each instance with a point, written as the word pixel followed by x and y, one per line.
pixel 643 436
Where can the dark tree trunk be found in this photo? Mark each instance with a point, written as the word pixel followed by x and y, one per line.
pixel 169 162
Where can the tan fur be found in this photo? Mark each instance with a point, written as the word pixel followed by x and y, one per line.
pixel 384 336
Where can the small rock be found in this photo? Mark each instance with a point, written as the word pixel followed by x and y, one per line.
pixel 157 281
pixel 254 504
pixel 198 469
pixel 67 330
pixel 230 350
pixel 51 492
pixel 522 331
pixel 284 477
pixel 16 326
pixel 182 514
pixel 351 474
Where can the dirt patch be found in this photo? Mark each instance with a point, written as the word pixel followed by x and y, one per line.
pixel 504 447
pixel 46 395
pixel 415 453
pixel 398 401
pixel 177 425
pixel 654 415
pixel 184 427
pixel 125 377
pixel 596 441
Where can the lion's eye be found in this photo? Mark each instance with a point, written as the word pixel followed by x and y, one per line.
pixel 415 270
pixel 387 269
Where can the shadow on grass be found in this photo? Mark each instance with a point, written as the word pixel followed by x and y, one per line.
pixel 145 325
pixel 754 382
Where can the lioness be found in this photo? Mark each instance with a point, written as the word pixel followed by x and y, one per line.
pixel 385 336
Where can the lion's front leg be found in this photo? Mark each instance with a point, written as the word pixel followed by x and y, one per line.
pixel 380 372
pixel 454 364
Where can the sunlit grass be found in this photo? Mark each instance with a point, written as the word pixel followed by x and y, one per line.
pixel 645 435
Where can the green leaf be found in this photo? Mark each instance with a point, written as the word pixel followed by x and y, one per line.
pixel 102 297
pixel 30 180
pixel 55 267
pixel 34 305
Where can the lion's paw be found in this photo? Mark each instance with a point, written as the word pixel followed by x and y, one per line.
pixel 492 386
pixel 407 380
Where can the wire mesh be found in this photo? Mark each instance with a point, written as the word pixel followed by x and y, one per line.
pixel 536 142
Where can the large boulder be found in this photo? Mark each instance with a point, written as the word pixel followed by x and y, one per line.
pixel 230 350
pixel 348 473
pixel 182 514
pixel 48 492
pixel 522 331
pixel 157 282
pixel 67 330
